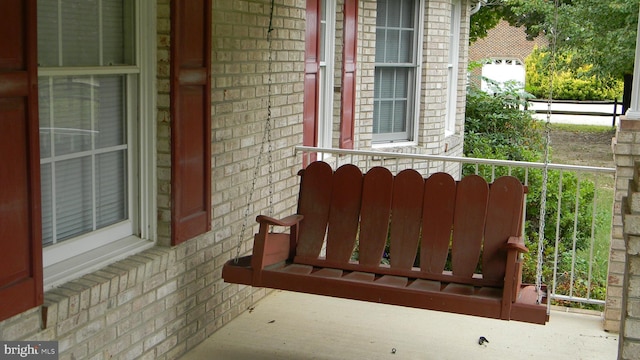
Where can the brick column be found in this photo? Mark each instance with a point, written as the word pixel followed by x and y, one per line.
pixel 624 159
pixel 634 110
pixel 627 214
pixel 627 203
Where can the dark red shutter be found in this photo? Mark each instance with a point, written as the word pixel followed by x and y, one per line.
pixel 20 217
pixel 348 95
pixel 311 75
pixel 190 118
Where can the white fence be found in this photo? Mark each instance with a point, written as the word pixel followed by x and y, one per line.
pixel 602 113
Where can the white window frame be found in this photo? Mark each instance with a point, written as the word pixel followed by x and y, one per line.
pixel 453 67
pixel 75 257
pixel 414 118
pixel 326 78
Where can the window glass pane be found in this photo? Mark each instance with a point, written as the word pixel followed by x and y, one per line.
pixel 323 30
pixel 47 204
pixel 378 79
pixel 110 129
pixel 44 115
pixel 88 113
pixel 48 33
pixel 384 117
pixel 392 83
pixel 405 52
pixel 80 32
pixel 111 190
pixel 399 116
pixel 393 14
pixel 80 35
pixel 381 15
pixel 401 82
pixel 387 83
pixel 73 106
pixel 113 18
pixel 73 197
pixel 407 14
pixel 380 44
pixel 393 37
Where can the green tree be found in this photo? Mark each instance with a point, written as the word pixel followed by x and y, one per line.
pixel 601 33
pixel 484 20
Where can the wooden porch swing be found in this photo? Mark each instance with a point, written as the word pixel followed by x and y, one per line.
pixel 422 218
pixel 335 245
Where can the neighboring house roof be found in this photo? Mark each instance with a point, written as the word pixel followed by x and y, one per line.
pixel 503 42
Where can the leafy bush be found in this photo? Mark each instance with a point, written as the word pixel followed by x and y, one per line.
pixel 497 128
pixel 570 81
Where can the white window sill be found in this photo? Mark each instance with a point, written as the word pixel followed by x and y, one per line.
pixel 394 145
pixel 90 261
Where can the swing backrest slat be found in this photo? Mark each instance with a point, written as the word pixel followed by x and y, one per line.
pixel 437 215
pixel 377 192
pixel 344 215
pixel 406 215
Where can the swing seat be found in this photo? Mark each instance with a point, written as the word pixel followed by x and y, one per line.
pixel 390 239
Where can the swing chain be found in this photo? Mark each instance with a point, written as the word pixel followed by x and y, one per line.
pixel 266 137
pixel 545 171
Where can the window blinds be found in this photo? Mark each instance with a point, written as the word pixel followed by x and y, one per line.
pixel 83 126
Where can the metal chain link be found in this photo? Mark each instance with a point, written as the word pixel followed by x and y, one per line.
pixel 266 137
pixel 545 170
pixel 267 126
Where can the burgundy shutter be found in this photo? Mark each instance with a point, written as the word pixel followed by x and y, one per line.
pixel 190 118
pixel 348 95
pixel 311 75
pixel 20 218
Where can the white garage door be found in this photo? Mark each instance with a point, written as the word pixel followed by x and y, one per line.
pixel 503 70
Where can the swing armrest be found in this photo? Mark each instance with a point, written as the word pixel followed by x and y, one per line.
pixel 516 243
pixel 513 272
pixel 287 221
pixel 272 248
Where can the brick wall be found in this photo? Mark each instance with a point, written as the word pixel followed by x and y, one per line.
pixel 625 252
pixel 240 97
pixel 163 122
pixel 162 302
pixel 149 306
pixel 365 73
pixel 434 68
pixel 504 41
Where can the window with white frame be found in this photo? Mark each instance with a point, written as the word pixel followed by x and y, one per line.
pixel 396 70
pixel 452 68
pixel 89 75
pixel 326 78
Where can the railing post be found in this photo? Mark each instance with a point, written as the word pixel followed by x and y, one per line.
pixel 615 112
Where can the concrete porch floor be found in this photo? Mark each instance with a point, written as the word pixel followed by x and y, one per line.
pixel 287 325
